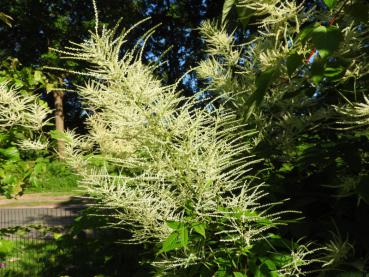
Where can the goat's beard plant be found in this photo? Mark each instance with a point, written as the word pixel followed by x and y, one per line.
pixel 175 176
pixel 22 118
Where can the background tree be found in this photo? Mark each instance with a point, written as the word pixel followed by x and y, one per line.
pixel 41 24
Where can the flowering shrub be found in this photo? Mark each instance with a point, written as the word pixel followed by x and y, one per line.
pixel 22 117
pixel 177 177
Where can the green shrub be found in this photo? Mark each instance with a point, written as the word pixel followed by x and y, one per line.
pixel 178 178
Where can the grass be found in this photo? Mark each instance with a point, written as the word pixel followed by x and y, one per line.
pixel 24 257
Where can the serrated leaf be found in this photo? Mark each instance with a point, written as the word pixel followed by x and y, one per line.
pixel 227 7
pixel 269 263
pixel 306 32
pixel 330 3
pixel 200 229
pixel 173 224
pixel 326 40
pixel 263 81
pixel 171 243
pixel 221 273
pixel 293 62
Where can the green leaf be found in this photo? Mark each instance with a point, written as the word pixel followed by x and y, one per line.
pixel 199 228
pixel 243 15
pixel 171 243
pixel 330 3
pixel 326 40
pixel 305 34
pixel 259 273
pixel 173 224
pixel 281 259
pixel 317 71
pixel 333 72
pixel 269 263
pixel 38 76
pixel 58 135
pixel 262 82
pixel 57 235
pixel 227 6
pixel 239 274
pixel 293 62
pixel 183 235
pixel 221 273
pixel 49 87
pixel 10 153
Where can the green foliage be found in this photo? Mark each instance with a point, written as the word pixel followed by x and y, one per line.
pixel 227 6
pixel 313 116
pixel 330 3
pixel 171 174
pixel 21 255
pixel 186 183
pixel 24 146
pixel 52 175
pixel 326 40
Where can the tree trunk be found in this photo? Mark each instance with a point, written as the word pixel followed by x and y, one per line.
pixel 59 120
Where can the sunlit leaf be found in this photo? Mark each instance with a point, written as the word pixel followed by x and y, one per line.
pixel 200 229
pixel 183 235
pixel 326 40
pixel 10 153
pixel 227 6
pixel 171 243
pixel 333 72
pixel 330 3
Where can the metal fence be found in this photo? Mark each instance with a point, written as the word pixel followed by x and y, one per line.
pixel 23 251
pixel 11 217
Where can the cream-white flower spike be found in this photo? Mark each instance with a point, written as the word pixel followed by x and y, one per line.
pixel 355 115
pixel 158 151
pixel 20 110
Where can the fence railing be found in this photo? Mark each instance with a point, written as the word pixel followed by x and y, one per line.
pixel 11 217
pixel 23 251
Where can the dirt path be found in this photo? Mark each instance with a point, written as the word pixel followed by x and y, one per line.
pixel 42 200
